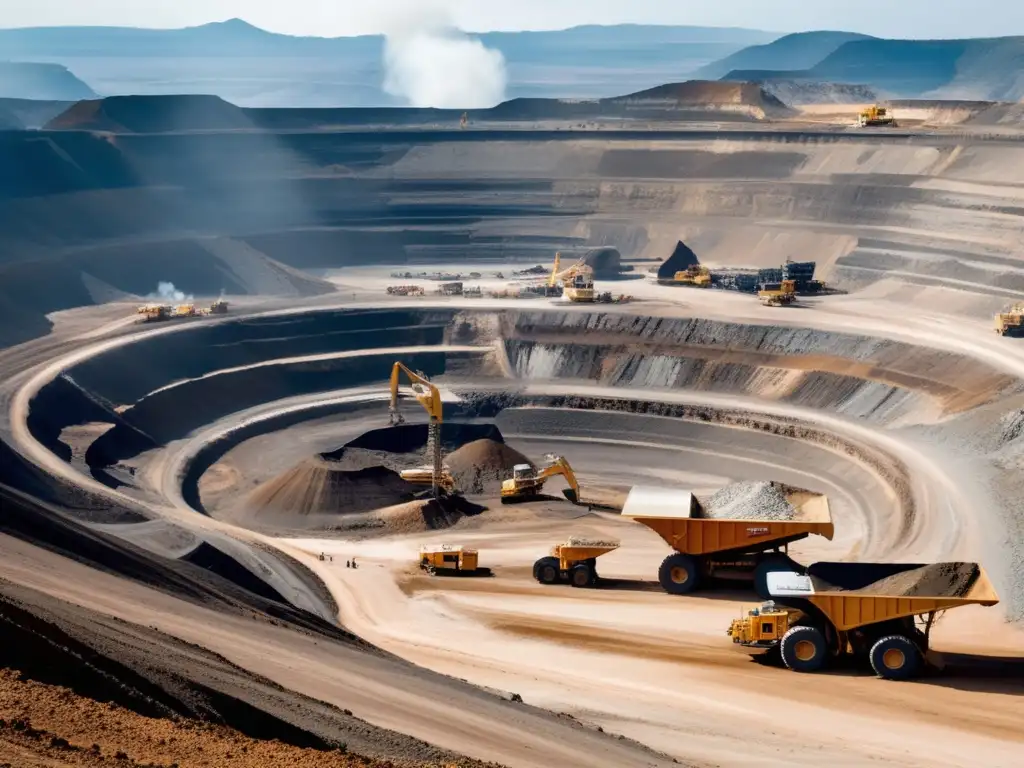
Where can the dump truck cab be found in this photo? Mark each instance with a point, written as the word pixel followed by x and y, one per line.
pixel 879 613
pixel 574 561
pixel 448 559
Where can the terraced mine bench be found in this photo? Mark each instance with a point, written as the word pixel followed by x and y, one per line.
pixel 879 612
pixel 705 547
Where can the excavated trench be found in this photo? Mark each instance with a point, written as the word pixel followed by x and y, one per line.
pixel 850 415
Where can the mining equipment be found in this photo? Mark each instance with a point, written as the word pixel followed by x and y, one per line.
pixel 608 298
pixel 578 280
pixel 450 289
pixel 527 483
pixel 725 548
pixel 219 307
pixel 696 275
pixel 839 609
pixel 1010 322
pixel 876 116
pixel 777 294
pixel 473 292
pixel 405 290
pixel 426 395
pixel 152 313
pixel 185 310
pixel 448 559
pixel 575 561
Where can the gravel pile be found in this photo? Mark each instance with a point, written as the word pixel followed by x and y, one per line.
pixel 584 541
pixel 749 501
pixel 937 580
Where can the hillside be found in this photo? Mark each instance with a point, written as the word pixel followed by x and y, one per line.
pixel 980 69
pixel 151 114
pixel 29 80
pixel 256 68
pixel 31 113
pixel 793 52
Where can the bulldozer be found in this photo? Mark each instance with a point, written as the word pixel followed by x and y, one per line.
pixel 777 294
pixel 426 394
pixel 695 275
pixel 578 280
pixel 527 483
pixel 876 116
pixel 1010 322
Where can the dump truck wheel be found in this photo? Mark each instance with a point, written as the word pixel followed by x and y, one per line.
pixel 546 570
pixel 895 658
pixel 770 564
pixel 582 575
pixel 679 574
pixel 804 649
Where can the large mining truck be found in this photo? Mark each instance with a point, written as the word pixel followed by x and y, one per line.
pixel 880 613
pixel 1010 322
pixel 737 549
pixel 575 561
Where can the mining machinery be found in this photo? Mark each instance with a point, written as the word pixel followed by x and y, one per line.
pixel 777 294
pixel 696 275
pixel 429 398
pixel 876 116
pixel 527 483
pixel 1010 322
pixel 578 280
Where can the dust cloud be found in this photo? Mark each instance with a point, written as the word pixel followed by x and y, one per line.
pixel 168 292
pixel 428 62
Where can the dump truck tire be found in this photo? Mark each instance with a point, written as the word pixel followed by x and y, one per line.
pixel 679 574
pixel 804 649
pixel 582 576
pixel 895 658
pixel 546 570
pixel 770 564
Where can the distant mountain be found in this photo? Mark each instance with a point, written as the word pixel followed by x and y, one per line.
pixel 990 69
pixel 28 113
pixel 252 67
pixel 151 114
pixel 31 80
pixel 792 52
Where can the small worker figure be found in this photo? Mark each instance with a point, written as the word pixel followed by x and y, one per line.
pixel 348 563
pixel 353 562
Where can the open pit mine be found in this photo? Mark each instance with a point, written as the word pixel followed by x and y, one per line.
pixel 567 531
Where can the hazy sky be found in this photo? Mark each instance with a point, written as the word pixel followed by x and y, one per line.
pixel 892 18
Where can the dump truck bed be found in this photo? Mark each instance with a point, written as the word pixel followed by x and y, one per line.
pixel 854 595
pixel 582 548
pixel 678 517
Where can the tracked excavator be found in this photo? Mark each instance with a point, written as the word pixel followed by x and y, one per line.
pixel 527 483
pixel 578 280
pixel 436 475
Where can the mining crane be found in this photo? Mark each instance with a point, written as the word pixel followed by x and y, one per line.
pixel 526 482
pixel 426 395
pixel 578 280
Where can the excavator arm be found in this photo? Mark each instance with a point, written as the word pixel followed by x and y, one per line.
pixel 426 394
pixel 560 466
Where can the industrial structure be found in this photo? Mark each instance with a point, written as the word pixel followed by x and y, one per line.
pixel 577 280
pixel 882 613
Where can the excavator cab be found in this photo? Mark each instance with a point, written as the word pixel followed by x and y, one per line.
pixel 527 483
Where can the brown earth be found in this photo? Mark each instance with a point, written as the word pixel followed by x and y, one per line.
pixel 936 580
pixel 480 466
pixel 49 725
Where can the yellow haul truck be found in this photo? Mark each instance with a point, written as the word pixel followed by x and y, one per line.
pixel 574 561
pixel 882 613
pixel 1010 322
pixel 747 549
pixel 448 560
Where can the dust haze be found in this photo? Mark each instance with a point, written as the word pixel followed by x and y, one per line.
pixel 430 63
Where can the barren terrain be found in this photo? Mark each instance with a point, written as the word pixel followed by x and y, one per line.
pixel 199 486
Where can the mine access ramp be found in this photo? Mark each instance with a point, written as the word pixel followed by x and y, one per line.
pixel 747 545
pixel 881 613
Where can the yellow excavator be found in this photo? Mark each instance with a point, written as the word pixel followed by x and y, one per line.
pixel 435 474
pixel 876 116
pixel 578 280
pixel 527 482
pixel 696 275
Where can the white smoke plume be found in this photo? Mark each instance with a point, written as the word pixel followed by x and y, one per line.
pixel 430 63
pixel 167 292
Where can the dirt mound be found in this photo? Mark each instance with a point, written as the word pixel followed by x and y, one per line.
pixel 151 114
pixel 708 93
pixel 412 438
pixel 681 258
pixel 426 514
pixel 319 488
pixel 480 466
pixel 937 580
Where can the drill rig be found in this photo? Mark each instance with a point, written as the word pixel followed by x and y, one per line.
pixel 426 395
pixel 578 280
